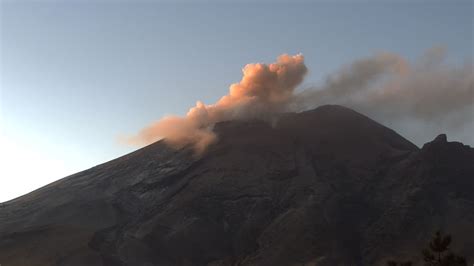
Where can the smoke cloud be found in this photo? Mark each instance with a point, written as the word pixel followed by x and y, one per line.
pixel 264 90
pixel 413 98
pixel 428 96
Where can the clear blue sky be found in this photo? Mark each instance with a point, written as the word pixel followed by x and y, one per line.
pixel 76 76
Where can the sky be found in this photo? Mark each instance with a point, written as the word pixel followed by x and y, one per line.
pixel 76 76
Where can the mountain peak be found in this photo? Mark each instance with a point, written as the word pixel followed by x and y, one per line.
pixel 329 131
pixel 265 193
pixel 441 138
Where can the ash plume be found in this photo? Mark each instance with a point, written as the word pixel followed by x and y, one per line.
pixel 264 90
pixel 427 95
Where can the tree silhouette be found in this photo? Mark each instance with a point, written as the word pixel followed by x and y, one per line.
pixel 438 253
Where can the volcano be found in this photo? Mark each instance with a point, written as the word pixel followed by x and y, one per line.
pixel 327 186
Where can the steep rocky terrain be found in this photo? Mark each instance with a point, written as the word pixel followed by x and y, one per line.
pixel 323 187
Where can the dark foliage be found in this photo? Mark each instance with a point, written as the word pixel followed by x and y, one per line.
pixel 437 253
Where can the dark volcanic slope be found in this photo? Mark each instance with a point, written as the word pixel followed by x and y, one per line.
pixel 327 186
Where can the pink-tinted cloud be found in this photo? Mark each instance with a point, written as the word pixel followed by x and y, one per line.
pixel 263 90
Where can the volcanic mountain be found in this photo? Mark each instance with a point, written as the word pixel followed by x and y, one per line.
pixel 322 187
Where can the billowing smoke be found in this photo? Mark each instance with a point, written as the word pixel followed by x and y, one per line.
pixel 427 95
pixel 264 90
pixel 419 100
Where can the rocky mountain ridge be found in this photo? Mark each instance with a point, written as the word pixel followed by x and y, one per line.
pixel 323 187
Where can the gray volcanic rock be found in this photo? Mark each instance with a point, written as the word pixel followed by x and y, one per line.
pixel 323 187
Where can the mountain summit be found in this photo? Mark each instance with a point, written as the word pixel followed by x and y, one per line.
pixel 323 187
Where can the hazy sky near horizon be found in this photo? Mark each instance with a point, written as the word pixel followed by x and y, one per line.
pixel 77 75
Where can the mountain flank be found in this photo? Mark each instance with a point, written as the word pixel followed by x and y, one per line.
pixel 327 186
